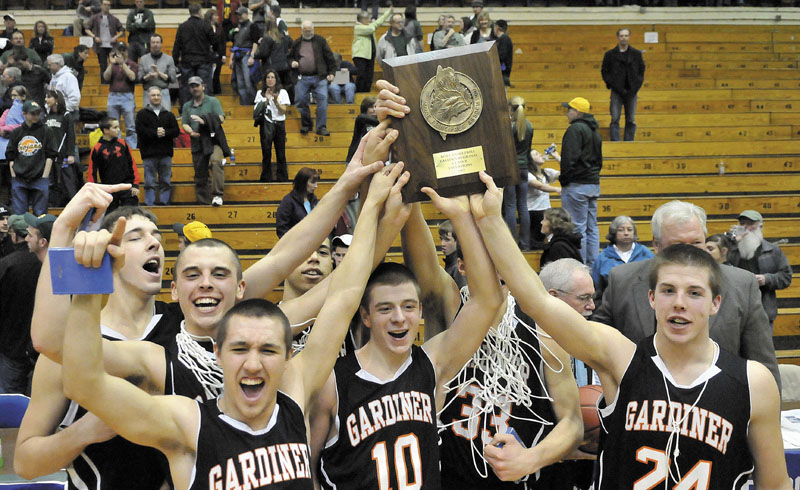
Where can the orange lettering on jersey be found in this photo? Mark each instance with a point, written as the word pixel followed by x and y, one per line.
pixel 215 478
pixel 352 430
pixel 727 431
pixel 248 463
pixel 264 468
pixel 231 478
pixel 630 415
pixel 659 412
pixel 698 423
pixel 366 426
pixel 641 420
pixel 712 438
pixel 377 414
pixel 276 472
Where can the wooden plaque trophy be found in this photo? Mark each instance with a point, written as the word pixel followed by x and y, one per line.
pixel 458 124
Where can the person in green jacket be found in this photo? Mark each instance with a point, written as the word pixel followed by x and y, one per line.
pixel 140 26
pixel 364 47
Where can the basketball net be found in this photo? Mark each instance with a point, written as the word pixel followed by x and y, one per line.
pixel 504 361
pixel 200 362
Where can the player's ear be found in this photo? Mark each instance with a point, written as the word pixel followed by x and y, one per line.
pixel 364 316
pixel 652 297
pixel 715 303
pixel 462 269
pixel 173 291
pixel 240 290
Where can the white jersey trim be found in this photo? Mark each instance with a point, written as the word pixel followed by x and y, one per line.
pixel 241 426
pixel 367 376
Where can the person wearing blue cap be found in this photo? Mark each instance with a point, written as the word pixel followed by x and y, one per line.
pixel 30 154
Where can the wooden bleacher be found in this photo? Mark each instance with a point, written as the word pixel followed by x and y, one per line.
pixel 728 94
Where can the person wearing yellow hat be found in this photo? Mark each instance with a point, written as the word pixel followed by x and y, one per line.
pixel 190 232
pixel 581 159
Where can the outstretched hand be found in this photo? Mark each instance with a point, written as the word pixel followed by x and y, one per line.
pixel 489 203
pixel 90 247
pixel 384 181
pixel 89 196
pixel 449 206
pixel 389 103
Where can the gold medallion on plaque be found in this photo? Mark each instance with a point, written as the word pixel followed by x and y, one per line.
pixel 451 102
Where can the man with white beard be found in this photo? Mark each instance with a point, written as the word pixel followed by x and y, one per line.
pixel 762 258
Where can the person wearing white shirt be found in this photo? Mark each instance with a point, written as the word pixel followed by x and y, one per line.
pixel 271 103
pixel 540 186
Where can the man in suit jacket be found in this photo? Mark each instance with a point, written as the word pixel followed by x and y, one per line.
pixel 740 326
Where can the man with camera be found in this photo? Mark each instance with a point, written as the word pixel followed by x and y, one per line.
pixel 121 75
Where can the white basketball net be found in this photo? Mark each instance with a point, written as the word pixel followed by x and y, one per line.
pixel 200 362
pixel 506 368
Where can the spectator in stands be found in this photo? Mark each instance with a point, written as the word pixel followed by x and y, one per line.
pixel 623 248
pixel 449 241
pixel 19 273
pixel 65 82
pixel 363 50
pixel 623 73
pixel 141 25
pixel 340 244
pixel 12 76
pixel 227 13
pixel 395 42
pixel 581 162
pixel 196 113
pixel 505 49
pixel 273 53
pixel 365 121
pixel 439 27
pixel 539 189
pixel 17 45
pixel 111 162
pixel 106 30
pixel 6 245
pixel 448 37
pixel 10 25
pixel 17 231
pixel 34 77
pixel 260 10
pixel 245 39
pixel 466 29
pixel 75 60
pixel 313 59
pixel 561 239
pixel 515 197
pixel 41 42
pixel 86 10
pixel 275 13
pixel 158 128
pixel 269 113
pixel 298 203
pixel 66 176
pixel 764 259
pixel 719 246
pixel 484 31
pixel 157 69
pixel 335 90
pixel 190 232
pixel 192 49
pixel 218 49
pixel 412 28
pixel 477 9
pixel 121 74
pixel 30 154
pixel 740 326
pixel 12 118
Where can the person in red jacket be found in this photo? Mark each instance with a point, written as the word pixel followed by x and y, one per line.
pixel 112 162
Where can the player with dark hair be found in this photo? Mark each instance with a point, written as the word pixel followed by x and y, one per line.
pixel 254 432
pixel 666 411
pixel 374 422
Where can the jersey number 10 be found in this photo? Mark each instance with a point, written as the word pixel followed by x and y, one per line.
pixel 381 457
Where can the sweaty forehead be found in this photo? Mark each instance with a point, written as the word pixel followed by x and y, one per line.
pixel 393 293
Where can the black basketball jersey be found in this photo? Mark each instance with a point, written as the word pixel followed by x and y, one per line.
pixel 465 426
pixel 387 430
pixel 118 463
pixel 712 419
pixel 232 455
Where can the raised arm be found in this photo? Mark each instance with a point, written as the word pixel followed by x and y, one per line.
pixel 764 434
pixel 167 423
pixel 511 461
pixel 298 243
pixel 602 347
pixel 440 295
pixel 49 311
pixel 41 449
pixel 452 348
pixel 347 287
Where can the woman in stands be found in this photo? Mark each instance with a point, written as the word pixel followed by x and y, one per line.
pixel 466 28
pixel 41 42
pixel 540 186
pixel 718 246
pixel 623 248
pixel 218 49
pixel 484 31
pixel 11 119
pixel 562 241
pixel 273 53
pixel 412 28
pixel 297 204
pixel 515 197
pixel 68 179
pixel 270 114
